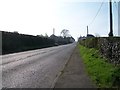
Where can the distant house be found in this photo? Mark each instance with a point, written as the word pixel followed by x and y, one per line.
pixel 81 38
pixel 90 36
pixel 84 38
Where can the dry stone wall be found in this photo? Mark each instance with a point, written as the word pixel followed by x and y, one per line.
pixel 109 47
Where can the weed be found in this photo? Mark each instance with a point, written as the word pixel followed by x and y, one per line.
pixel 104 74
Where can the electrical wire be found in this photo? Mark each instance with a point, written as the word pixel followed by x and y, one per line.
pixel 96 13
pixel 116 7
pixel 115 4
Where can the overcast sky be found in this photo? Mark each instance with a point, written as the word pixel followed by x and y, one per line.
pixel 38 17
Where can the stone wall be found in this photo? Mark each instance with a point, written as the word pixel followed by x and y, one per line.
pixel 108 47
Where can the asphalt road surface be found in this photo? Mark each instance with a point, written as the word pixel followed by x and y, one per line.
pixel 36 68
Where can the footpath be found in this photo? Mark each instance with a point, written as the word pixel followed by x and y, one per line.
pixel 74 74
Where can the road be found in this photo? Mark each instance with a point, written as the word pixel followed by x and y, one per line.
pixel 36 68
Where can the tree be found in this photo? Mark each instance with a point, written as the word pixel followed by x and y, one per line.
pixel 65 33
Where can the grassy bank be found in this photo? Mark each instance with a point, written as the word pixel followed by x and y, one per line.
pixel 102 73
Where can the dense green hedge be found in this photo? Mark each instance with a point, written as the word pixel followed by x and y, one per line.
pixel 109 47
pixel 15 42
pixel 90 42
pixel 95 42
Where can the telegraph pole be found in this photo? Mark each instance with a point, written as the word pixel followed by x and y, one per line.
pixel 119 19
pixel 111 21
pixel 53 31
pixel 87 30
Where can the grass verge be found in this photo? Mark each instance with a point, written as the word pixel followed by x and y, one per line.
pixel 102 73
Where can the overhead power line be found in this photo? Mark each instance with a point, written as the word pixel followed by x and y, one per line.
pixel 116 7
pixel 115 4
pixel 96 13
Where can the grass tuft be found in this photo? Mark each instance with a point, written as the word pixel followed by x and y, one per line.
pixel 102 73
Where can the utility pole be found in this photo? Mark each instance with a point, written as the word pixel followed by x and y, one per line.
pixel 53 31
pixel 119 19
pixel 111 21
pixel 87 30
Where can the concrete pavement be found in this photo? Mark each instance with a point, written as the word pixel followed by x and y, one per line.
pixel 74 74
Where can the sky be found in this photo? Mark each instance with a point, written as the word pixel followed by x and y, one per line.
pixel 36 17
